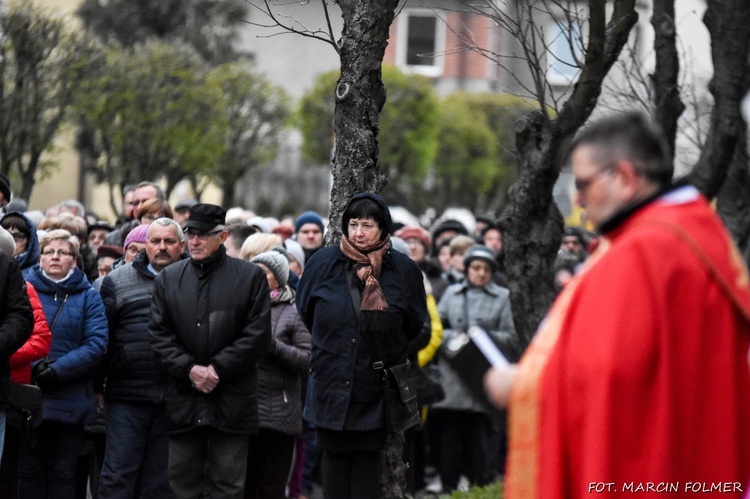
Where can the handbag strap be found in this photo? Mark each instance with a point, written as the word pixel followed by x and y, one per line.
pixel 57 314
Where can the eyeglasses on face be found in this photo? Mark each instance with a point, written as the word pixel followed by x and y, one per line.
pixel 582 184
pixel 191 233
pixel 61 253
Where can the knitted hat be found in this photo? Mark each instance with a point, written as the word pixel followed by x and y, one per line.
pixel 295 249
pixel 480 252
pixel 415 233
pixel 308 217
pixel 277 263
pixel 137 235
pixel 5 187
pixel 17 204
pixel 7 243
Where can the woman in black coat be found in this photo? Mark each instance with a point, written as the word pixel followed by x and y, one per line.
pixel 363 303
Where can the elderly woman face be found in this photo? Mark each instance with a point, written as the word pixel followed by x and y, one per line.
pixel 363 232
pixel 57 259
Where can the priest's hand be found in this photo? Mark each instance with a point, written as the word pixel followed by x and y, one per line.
pixel 498 382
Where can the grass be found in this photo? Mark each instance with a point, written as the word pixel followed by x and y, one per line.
pixel 492 491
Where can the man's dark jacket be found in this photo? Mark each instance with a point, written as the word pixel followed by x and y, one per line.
pixel 133 370
pixel 16 318
pixel 212 312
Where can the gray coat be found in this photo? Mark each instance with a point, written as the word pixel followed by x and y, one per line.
pixel 489 307
pixel 281 371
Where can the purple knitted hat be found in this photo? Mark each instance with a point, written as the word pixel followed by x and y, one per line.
pixel 137 235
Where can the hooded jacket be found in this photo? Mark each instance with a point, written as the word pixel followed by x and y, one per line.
pixel 79 342
pixel 344 392
pixel 30 257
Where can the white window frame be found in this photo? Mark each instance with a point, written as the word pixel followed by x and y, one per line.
pixel 402 36
pixel 558 53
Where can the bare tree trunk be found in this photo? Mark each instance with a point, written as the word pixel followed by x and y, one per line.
pixel 728 22
pixel 733 202
pixel 669 106
pixel 360 96
pixel 531 221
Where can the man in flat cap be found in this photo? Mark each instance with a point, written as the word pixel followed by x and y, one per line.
pixel 210 324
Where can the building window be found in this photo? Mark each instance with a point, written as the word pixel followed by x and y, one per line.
pixel 421 42
pixel 563 50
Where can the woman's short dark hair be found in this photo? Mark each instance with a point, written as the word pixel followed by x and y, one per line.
pixel 13 221
pixel 366 208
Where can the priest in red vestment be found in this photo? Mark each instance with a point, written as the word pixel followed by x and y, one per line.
pixel 637 380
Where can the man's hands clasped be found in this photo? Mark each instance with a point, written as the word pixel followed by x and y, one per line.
pixel 204 379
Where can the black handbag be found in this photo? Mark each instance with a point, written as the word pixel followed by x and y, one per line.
pixel 400 408
pixel 24 407
pixel 428 383
pixel 399 398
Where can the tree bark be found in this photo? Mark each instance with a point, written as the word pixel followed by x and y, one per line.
pixel 360 96
pixel 669 106
pixel 532 222
pixel 733 202
pixel 728 22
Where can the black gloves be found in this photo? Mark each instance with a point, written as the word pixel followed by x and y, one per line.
pixel 43 375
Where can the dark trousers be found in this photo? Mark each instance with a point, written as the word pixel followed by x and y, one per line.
pixel 137 442
pixel 48 459
pixel 466 444
pixel 207 459
pixel 9 466
pixel 269 459
pixel 351 475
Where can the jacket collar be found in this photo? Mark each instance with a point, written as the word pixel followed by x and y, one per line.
pixel 621 216
pixel 490 288
pixel 214 261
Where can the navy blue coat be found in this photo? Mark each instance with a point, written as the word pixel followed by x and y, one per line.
pixel 343 391
pixel 79 342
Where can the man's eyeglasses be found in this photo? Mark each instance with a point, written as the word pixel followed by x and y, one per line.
pixel 582 184
pixel 190 233
pixel 61 253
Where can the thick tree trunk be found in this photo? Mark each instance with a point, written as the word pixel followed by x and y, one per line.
pixel 733 202
pixel 669 106
pixel 728 22
pixel 360 96
pixel 532 222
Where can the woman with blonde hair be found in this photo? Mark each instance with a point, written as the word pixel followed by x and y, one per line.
pixel 258 243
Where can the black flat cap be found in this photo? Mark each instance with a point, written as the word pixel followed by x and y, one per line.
pixel 205 217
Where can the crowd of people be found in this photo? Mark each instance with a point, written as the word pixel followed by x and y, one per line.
pixel 155 344
pixel 188 351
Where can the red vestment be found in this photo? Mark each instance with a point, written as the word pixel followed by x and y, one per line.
pixel 639 373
